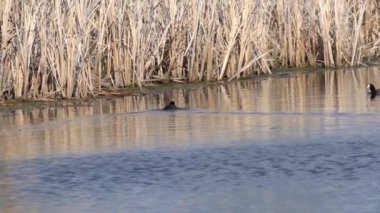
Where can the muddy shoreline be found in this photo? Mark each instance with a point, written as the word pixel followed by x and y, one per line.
pixel 151 89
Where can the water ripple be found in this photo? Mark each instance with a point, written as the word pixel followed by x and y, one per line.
pixel 189 170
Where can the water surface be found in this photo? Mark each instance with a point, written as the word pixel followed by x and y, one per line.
pixel 293 142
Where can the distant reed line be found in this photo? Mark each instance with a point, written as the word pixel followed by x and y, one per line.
pixel 67 48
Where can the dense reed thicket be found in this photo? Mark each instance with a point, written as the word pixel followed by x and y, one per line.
pixel 75 48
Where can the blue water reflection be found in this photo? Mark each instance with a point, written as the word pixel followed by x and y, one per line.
pixel 294 177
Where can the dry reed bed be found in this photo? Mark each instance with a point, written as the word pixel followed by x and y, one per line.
pixel 77 48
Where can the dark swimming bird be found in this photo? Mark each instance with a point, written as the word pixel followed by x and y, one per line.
pixel 170 106
pixel 372 90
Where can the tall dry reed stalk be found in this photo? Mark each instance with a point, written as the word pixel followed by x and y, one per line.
pixel 65 48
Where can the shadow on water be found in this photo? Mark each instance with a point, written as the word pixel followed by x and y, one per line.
pixel 293 142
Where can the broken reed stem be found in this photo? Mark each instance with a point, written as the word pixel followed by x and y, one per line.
pixel 77 48
pixel 247 66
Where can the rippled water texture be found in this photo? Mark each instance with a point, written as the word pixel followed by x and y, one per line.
pixel 293 142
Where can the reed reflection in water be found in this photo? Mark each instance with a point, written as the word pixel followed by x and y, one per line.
pixel 293 142
pixel 288 106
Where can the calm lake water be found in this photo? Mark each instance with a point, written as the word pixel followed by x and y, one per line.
pixel 292 142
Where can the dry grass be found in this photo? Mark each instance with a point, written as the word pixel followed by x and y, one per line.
pixel 78 48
